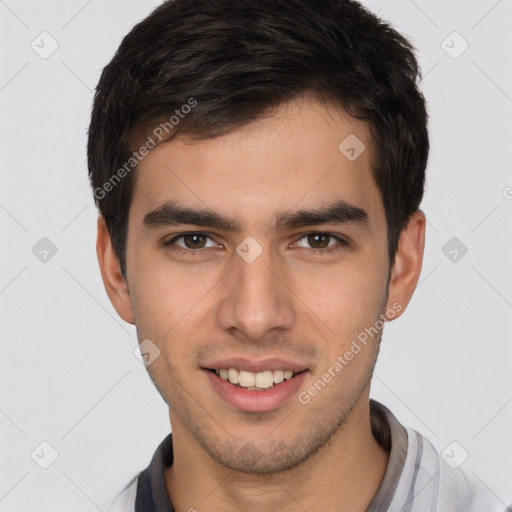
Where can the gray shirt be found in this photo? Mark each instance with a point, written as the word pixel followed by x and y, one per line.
pixel 417 479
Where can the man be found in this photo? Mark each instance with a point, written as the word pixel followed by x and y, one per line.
pixel 258 167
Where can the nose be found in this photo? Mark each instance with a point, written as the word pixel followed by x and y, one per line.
pixel 255 298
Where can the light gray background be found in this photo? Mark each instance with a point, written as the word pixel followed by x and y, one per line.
pixel 68 373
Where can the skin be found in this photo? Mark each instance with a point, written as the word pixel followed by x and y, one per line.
pixel 291 302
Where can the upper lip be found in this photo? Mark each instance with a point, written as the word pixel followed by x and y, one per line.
pixel 248 365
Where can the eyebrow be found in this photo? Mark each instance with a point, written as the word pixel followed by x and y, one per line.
pixel 171 213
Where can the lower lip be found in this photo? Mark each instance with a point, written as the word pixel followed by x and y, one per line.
pixel 256 401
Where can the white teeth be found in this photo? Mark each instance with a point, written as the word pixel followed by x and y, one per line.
pixel 246 379
pixel 253 381
pixel 233 375
pixel 278 376
pixel 264 379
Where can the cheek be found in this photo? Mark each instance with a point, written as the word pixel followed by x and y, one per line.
pixel 351 308
pixel 347 299
pixel 158 296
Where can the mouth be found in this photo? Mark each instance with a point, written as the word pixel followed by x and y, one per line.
pixel 256 386
pixel 251 381
pixel 262 391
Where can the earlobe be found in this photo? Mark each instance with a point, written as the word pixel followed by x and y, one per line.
pixel 408 262
pixel 114 282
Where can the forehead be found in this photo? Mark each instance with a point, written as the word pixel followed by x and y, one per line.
pixel 304 154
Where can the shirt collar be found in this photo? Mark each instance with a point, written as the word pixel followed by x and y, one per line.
pixel 152 494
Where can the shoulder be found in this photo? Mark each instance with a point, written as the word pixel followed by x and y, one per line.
pixel 429 483
pixel 123 501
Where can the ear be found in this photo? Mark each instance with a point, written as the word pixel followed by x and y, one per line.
pixel 407 266
pixel 114 282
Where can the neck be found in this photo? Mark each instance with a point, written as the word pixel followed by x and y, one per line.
pixel 343 475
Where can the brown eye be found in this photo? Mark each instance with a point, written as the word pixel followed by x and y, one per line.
pixel 321 242
pixel 194 241
pixel 318 240
pixel 190 242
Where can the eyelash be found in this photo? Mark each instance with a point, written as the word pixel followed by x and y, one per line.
pixel 180 250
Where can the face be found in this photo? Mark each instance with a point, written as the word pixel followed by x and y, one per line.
pixel 262 250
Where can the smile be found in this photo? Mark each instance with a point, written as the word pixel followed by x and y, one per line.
pixel 254 381
pixel 256 392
